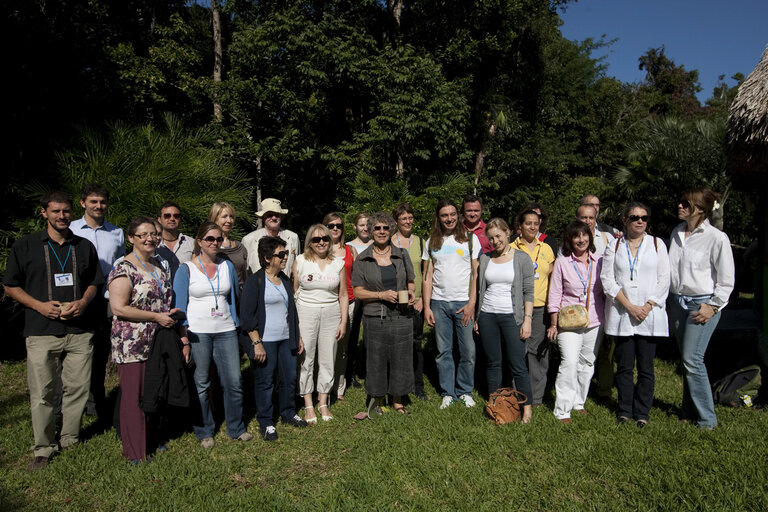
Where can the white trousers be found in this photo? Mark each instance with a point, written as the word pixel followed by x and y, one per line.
pixel 318 327
pixel 578 350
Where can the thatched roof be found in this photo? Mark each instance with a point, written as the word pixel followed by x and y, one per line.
pixel 747 128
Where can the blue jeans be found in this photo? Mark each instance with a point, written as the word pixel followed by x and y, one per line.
pixel 280 357
pixel 500 336
pixel 223 349
pixel 693 340
pixel 447 321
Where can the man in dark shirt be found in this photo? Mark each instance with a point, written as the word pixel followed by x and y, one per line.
pixel 54 275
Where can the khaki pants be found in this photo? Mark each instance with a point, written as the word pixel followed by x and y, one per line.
pixel 318 330
pixel 47 356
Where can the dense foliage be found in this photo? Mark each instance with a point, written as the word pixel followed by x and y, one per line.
pixel 353 105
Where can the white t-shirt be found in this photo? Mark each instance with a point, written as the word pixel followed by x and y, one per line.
pixel 498 294
pixel 452 268
pixel 203 315
pixel 316 287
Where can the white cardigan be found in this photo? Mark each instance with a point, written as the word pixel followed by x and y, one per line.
pixel 651 282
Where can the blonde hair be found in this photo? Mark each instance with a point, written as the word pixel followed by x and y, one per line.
pixel 309 252
pixel 217 208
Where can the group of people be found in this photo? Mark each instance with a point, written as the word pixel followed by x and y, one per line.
pixel 177 306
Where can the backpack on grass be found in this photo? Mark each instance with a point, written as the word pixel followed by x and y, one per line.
pixel 730 389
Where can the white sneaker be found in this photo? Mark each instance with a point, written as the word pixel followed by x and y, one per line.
pixel 468 400
pixel 447 401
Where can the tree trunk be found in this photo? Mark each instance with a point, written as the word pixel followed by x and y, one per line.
pixel 217 58
pixel 257 162
pixel 480 158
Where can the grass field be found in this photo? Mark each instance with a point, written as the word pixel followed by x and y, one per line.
pixel 429 460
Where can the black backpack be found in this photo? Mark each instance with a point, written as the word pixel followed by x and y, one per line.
pixel 730 389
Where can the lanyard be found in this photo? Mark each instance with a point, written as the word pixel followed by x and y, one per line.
pixel 210 282
pixel 584 282
pixel 285 297
pixel 632 262
pixel 62 265
pixel 410 237
pixel 536 259
pixel 148 270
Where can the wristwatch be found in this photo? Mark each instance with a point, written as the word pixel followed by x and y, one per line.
pixel 257 342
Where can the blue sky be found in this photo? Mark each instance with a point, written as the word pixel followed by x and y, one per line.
pixel 714 37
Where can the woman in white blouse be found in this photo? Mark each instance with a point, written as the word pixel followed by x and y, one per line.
pixel 702 278
pixel 635 278
pixel 320 284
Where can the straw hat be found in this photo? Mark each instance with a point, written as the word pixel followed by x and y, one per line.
pixel 271 205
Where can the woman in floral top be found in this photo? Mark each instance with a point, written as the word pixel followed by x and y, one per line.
pixel 140 298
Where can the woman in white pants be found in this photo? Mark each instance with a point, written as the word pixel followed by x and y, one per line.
pixel 320 284
pixel 576 280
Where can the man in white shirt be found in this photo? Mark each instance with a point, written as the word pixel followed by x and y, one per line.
pixel 109 242
pixel 180 245
pixel 272 214
pixel 602 239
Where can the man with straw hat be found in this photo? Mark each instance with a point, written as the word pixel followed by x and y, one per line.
pixel 272 214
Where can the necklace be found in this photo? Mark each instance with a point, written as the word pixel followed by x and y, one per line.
pixel 381 253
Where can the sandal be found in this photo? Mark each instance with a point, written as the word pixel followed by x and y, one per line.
pixel 326 417
pixel 401 409
pixel 311 421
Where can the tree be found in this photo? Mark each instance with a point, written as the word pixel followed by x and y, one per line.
pixel 674 89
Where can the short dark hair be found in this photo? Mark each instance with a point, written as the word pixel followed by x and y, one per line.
pixel 631 206
pixel 401 209
pixel 136 222
pixel 94 189
pixel 54 196
pixel 542 217
pixel 573 229
pixel 202 230
pixel 165 205
pixel 266 248
pixel 471 198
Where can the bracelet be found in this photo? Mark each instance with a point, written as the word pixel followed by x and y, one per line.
pixel 184 344
pixel 256 342
pixel 528 316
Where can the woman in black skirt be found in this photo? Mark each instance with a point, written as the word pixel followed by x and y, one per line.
pixel 382 278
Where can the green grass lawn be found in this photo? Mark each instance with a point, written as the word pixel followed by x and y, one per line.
pixel 430 460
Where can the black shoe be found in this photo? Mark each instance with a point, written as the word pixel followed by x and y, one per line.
pixel 421 395
pixel 621 420
pixel 38 463
pixel 642 423
pixel 269 433
pixel 296 421
pixel 355 383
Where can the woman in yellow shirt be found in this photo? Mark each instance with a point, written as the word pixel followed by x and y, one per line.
pixel 528 222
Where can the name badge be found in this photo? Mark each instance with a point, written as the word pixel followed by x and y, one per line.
pixel 215 313
pixel 536 275
pixel 63 279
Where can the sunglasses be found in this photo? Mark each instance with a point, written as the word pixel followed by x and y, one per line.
pixel 336 226
pixel 171 215
pixel 318 239
pixel 281 254
pixel 684 203
pixel 212 239
pixel 381 228
pixel 635 218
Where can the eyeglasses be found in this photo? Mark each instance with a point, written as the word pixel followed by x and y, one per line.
pixel 336 226
pixel 635 218
pixel 684 203
pixel 318 239
pixel 144 236
pixel 381 228
pixel 403 218
pixel 213 239
pixel 171 215
pixel 281 254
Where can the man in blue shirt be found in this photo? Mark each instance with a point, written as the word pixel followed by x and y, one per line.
pixel 109 242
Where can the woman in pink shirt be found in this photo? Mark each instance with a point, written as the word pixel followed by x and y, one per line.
pixel 576 280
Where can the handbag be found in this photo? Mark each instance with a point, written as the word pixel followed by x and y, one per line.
pixel 575 316
pixel 505 405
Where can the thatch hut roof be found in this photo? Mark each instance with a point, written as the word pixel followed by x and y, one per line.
pixel 747 128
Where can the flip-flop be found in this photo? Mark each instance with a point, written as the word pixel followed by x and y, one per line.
pixel 402 410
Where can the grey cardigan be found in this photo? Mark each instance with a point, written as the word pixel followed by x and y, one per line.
pixel 366 273
pixel 522 289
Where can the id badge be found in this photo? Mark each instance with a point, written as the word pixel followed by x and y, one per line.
pixel 536 275
pixel 215 313
pixel 583 296
pixel 63 279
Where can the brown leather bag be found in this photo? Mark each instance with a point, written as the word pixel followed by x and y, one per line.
pixel 505 405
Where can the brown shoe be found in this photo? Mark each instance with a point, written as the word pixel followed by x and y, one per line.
pixel 565 421
pixel 38 463
pixel 583 412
